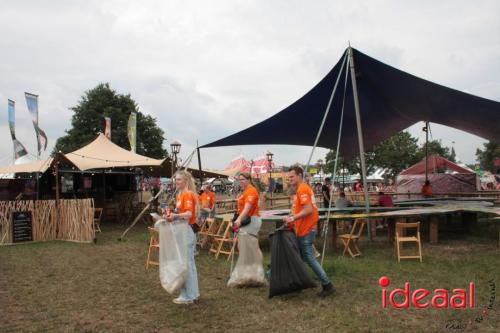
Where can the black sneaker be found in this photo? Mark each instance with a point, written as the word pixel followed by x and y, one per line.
pixel 327 290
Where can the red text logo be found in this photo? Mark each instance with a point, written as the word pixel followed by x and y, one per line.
pixel 422 298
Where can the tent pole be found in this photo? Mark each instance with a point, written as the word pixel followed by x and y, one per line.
pixel 426 148
pixel 327 222
pixel 343 176
pixel 360 138
pixel 199 163
pixel 37 186
pixel 324 117
pixel 56 167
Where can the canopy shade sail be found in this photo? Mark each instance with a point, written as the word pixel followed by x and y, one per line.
pixel 102 153
pixel 390 100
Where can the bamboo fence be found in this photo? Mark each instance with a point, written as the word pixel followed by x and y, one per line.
pixel 72 221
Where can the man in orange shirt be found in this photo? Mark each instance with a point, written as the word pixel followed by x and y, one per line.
pixel 213 200
pixel 207 203
pixel 305 219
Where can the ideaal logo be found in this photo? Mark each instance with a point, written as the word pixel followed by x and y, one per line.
pixel 422 298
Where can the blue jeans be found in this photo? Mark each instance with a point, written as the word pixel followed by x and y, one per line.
pixel 190 289
pixel 203 215
pixel 306 251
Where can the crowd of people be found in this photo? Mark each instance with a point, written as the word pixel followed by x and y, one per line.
pixel 192 207
pixel 328 186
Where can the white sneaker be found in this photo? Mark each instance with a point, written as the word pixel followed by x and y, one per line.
pixel 180 300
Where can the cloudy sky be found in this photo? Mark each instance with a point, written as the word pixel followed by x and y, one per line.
pixel 206 69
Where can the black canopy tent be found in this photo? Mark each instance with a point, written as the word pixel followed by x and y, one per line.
pixel 383 99
pixel 390 100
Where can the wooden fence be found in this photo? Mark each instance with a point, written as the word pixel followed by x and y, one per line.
pixel 72 221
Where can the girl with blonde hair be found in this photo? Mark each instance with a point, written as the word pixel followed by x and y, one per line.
pixel 186 210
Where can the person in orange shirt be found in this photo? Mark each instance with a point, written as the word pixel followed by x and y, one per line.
pixel 248 204
pixel 207 203
pixel 427 189
pixel 185 209
pixel 249 269
pixel 305 219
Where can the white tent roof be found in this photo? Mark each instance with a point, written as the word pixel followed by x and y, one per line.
pixel 102 153
pixel 36 166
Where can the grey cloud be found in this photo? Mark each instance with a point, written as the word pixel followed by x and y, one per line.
pixel 209 69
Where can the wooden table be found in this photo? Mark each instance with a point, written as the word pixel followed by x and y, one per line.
pixel 433 214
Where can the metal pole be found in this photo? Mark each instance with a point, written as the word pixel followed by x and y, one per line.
pixel 57 184
pixel 199 163
pixel 37 185
pixel 327 222
pixel 174 168
pixel 426 148
pixel 270 181
pixel 306 170
pixel 56 166
pixel 360 137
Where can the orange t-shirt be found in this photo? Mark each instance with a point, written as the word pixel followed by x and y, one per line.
pixel 186 201
pixel 213 199
pixel 207 200
pixel 305 196
pixel 251 196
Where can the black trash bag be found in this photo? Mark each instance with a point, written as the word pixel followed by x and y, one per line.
pixel 288 272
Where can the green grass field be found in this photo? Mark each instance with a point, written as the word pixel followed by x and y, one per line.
pixel 103 287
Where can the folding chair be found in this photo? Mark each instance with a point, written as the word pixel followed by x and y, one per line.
pixel 223 241
pixel 401 237
pixel 213 226
pixel 207 228
pixel 97 219
pixel 154 243
pixel 351 239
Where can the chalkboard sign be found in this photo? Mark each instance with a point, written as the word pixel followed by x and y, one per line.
pixel 21 227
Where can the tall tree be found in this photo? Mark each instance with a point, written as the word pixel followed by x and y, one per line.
pixel 394 154
pixel 353 166
pixel 102 101
pixel 453 155
pixel 436 148
pixel 487 156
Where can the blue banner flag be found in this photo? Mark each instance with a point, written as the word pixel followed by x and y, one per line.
pixel 19 149
pixel 41 137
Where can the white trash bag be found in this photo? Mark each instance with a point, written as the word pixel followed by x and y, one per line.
pixel 173 254
pixel 249 271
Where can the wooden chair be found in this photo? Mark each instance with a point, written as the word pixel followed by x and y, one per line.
pixel 351 239
pixel 212 229
pixel 208 227
pixel 97 219
pixel 154 243
pixel 223 242
pixel 400 238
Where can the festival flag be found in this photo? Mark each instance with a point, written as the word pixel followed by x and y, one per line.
pixel 132 131
pixel 107 127
pixel 41 137
pixel 19 149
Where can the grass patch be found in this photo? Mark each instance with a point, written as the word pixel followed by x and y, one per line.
pixel 103 287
